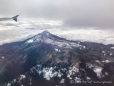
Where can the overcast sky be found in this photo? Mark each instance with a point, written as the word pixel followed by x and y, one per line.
pixel 74 13
pixel 71 17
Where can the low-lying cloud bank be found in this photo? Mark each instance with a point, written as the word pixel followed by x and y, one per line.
pixel 12 31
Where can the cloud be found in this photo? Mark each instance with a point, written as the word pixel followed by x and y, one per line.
pixel 72 19
pixel 74 13
pixel 30 23
pixel 10 34
pixel 17 31
pixel 89 22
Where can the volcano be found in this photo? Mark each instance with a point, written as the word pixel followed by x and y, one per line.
pixel 46 59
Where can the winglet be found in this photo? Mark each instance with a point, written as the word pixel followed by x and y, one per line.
pixel 15 18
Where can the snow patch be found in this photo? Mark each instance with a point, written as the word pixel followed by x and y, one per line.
pixel 9 84
pixel 106 61
pixel 112 47
pixel 2 57
pixel 103 51
pixel 56 49
pixel 106 73
pixel 22 77
pixel 98 71
pixel 47 72
pixel 30 41
pixel 97 61
pixel 111 54
pixel 77 80
pixel 72 71
pixel 62 81
pixel 88 78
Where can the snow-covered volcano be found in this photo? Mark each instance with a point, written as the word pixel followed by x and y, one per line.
pixel 48 38
pixel 54 61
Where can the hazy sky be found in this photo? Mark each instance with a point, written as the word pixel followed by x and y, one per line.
pixel 84 20
pixel 74 13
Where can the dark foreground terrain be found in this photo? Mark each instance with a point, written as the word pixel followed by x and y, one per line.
pixel 48 60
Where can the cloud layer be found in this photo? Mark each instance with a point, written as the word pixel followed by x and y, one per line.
pixel 74 13
pixel 11 32
pixel 84 20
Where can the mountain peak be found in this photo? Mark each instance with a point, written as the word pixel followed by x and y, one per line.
pixel 45 33
pixel 41 37
pixel 48 38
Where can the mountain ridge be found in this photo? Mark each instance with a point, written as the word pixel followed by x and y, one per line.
pixel 48 51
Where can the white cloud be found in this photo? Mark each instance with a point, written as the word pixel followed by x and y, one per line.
pixel 10 32
pixel 88 34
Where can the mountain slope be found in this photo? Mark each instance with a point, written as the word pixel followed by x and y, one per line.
pixel 48 57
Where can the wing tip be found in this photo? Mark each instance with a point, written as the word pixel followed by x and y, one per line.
pixel 15 18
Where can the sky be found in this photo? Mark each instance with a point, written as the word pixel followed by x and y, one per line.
pixel 74 19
